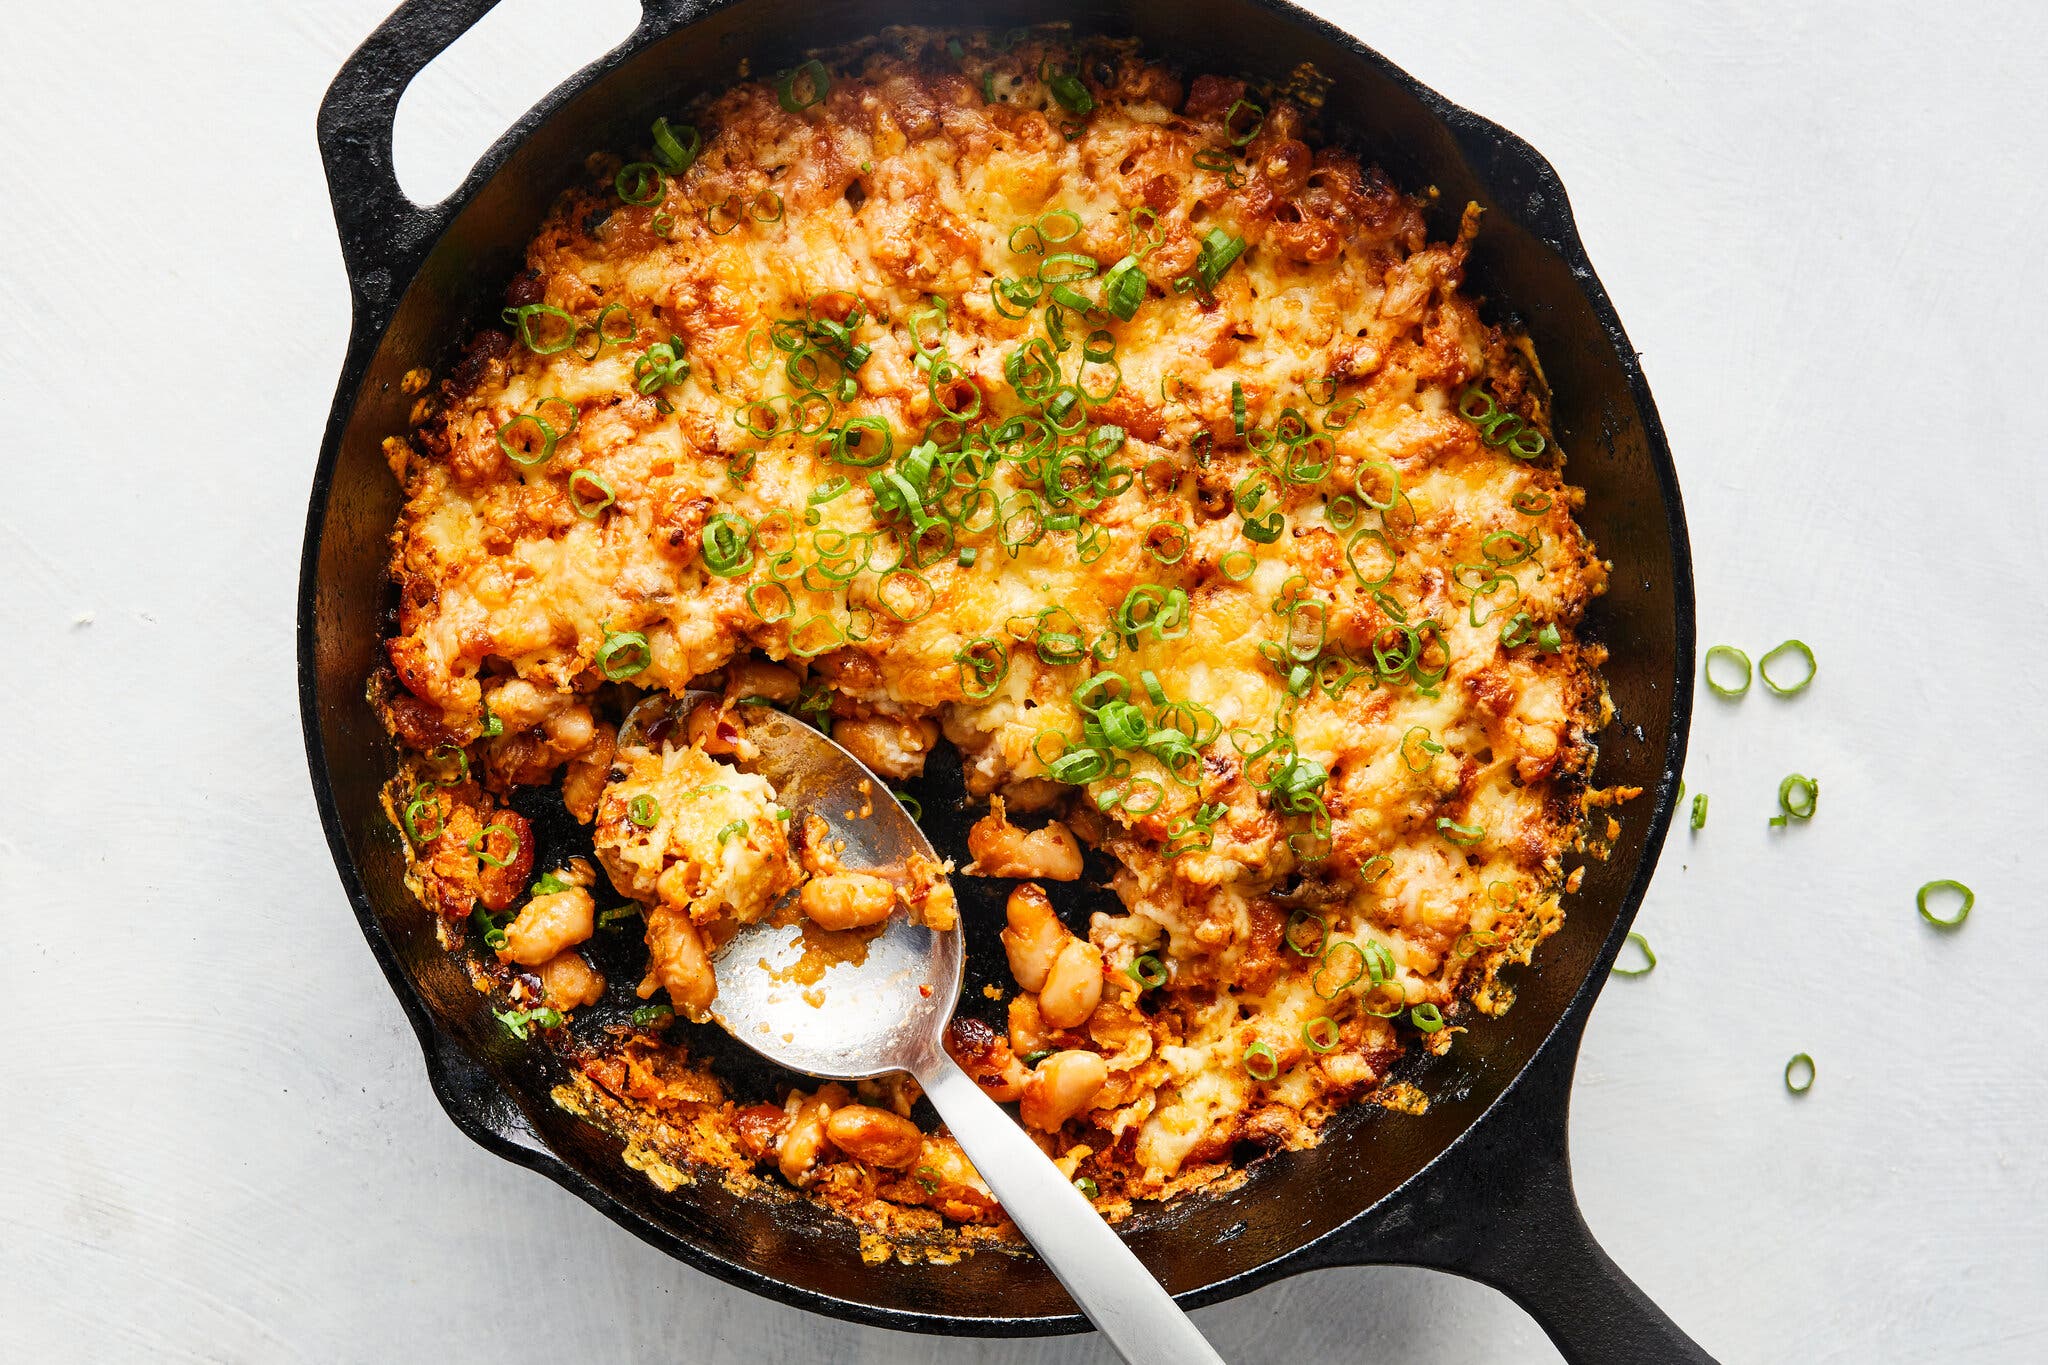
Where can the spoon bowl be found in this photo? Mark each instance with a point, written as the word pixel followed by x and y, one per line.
pixel 860 1006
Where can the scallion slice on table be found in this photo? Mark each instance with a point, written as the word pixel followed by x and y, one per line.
pixel 1962 911
pixel 1649 958
pixel 1786 650
pixel 1798 797
pixel 1800 1073
pixel 1736 659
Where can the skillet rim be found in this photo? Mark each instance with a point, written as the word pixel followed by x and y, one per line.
pixel 473 1099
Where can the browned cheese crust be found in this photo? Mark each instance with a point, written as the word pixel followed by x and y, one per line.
pixel 1300 509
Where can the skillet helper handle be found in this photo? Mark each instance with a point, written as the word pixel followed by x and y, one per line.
pixel 381 229
pixel 1106 1279
pixel 1499 1208
pixel 1561 1276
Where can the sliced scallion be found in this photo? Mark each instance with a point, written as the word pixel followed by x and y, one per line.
pixel 1649 958
pixel 480 844
pixel 1790 647
pixel 1736 658
pixel 803 87
pixel 1945 884
pixel 1798 796
pixel 623 654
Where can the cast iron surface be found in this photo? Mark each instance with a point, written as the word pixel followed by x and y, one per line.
pixel 1479 1185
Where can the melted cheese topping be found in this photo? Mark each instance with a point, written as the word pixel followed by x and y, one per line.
pixel 1389 711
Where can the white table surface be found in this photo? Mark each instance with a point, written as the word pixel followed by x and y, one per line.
pixel 1823 232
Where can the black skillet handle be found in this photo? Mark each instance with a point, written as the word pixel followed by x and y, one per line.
pixel 384 235
pixel 1499 1208
pixel 382 231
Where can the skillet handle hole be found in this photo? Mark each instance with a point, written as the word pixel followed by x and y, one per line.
pixel 469 95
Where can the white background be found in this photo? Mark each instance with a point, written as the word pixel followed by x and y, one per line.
pixel 1823 230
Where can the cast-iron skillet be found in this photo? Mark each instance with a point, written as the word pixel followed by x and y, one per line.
pixel 1479 1184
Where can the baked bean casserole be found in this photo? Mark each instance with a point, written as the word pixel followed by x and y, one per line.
pixel 1011 392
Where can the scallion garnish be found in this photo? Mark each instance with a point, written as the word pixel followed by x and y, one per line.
pixel 804 87
pixel 1498 426
pixel 1801 1066
pixel 1328 973
pixel 560 322
pixel 1123 288
pixel 1786 689
pixel 726 832
pixel 1699 811
pixel 1148 971
pixel 1962 912
pixel 1219 252
pixel 480 844
pixel 640 183
pixel 422 803
pixel 1292 935
pixel 1427 1017
pixel 1259 1062
pixel 661 365
pixel 518 1022
pixel 623 654
pixel 1649 958
pixel 676 154
pixel 1242 122
pixel 1797 798
pixel 647 1016
pixel 1424 748
pixel 1321 1033
pixel 617 915
pixel 728 545
pixel 644 811
pixel 1466 835
pixel 1736 657
pixel 984 663
pixel 452 753
pixel 589 494
pixel 518 437
pixel 1073 96
pixel 493 932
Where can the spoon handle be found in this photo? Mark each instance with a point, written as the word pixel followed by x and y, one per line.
pixel 1110 1284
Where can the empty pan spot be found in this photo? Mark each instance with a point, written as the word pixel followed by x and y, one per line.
pixel 490 76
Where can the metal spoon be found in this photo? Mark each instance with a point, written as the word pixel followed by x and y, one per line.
pixel 888 1013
